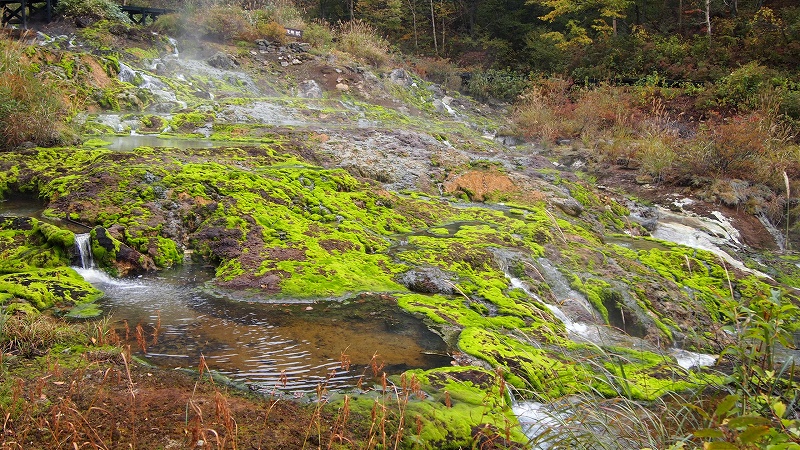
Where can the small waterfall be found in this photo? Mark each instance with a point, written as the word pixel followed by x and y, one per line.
pixel 578 328
pixel 84 248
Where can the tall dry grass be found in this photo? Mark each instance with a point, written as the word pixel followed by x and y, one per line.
pixel 31 108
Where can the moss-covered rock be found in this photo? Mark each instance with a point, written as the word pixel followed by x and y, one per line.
pixel 47 288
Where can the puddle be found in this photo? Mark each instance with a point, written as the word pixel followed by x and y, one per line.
pixel 284 347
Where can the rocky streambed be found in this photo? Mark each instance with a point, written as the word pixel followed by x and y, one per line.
pixel 322 186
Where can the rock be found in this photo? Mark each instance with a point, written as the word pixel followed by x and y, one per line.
pixel 428 280
pixel 437 91
pixel 300 47
pixel 309 89
pixel 221 61
pixel 112 253
pixel 342 87
pixel 509 141
pixel 296 62
pixel 570 206
pixel 401 77
pixel 84 21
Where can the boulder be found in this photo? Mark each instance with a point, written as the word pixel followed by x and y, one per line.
pixel 401 77
pixel 428 280
pixel 221 61
pixel 309 89
pixel 113 254
pixel 570 206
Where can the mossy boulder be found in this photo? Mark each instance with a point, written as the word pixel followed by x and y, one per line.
pixel 48 288
pixel 120 259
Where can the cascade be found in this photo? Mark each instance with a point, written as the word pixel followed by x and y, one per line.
pixel 84 248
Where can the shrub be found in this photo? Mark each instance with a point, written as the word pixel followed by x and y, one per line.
pixel 272 31
pixel 440 71
pixel 223 23
pixel 499 84
pixel 169 24
pixel 545 111
pixel 31 109
pixel 362 41
pixel 96 9
pixel 742 88
pixel 318 34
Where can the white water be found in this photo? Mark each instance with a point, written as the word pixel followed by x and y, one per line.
pixel 576 328
pixel 536 419
pixel 84 249
pixel 150 83
pixel 702 233
pixel 687 359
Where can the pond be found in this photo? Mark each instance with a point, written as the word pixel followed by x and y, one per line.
pixel 290 346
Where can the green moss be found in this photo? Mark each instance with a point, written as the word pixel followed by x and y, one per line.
pixel 527 367
pixel 84 311
pixel 443 408
pixel 46 288
pixel 597 291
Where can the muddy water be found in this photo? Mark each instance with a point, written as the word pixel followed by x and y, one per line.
pixel 285 347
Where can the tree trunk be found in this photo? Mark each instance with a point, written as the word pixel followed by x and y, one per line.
pixel 708 17
pixel 433 26
pixel 413 9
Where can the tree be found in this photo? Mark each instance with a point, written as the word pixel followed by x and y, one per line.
pixel 579 13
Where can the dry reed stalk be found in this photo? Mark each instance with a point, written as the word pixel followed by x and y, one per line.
pixel 316 417
pixel 345 360
pixel 555 222
pixel 339 425
pixel 157 328
pixel 224 414
pixel 788 203
pixel 140 339
pixel 376 367
pixel 727 277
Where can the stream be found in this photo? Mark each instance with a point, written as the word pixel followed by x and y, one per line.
pixel 286 348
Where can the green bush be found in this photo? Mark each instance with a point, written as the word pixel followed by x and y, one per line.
pixel 742 88
pixel 499 84
pixel 96 9
pixel 170 24
pixel 319 35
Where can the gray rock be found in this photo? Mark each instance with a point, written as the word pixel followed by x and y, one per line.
pixel 221 61
pixel 509 141
pixel 427 280
pixel 300 47
pixel 570 206
pixel 401 77
pixel 309 89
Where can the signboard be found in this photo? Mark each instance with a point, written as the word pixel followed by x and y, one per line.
pixel 294 32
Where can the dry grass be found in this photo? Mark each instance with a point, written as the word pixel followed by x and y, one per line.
pixel 30 110
pixel 361 40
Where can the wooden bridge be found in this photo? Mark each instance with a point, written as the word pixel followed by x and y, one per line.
pixel 19 11
pixel 140 14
